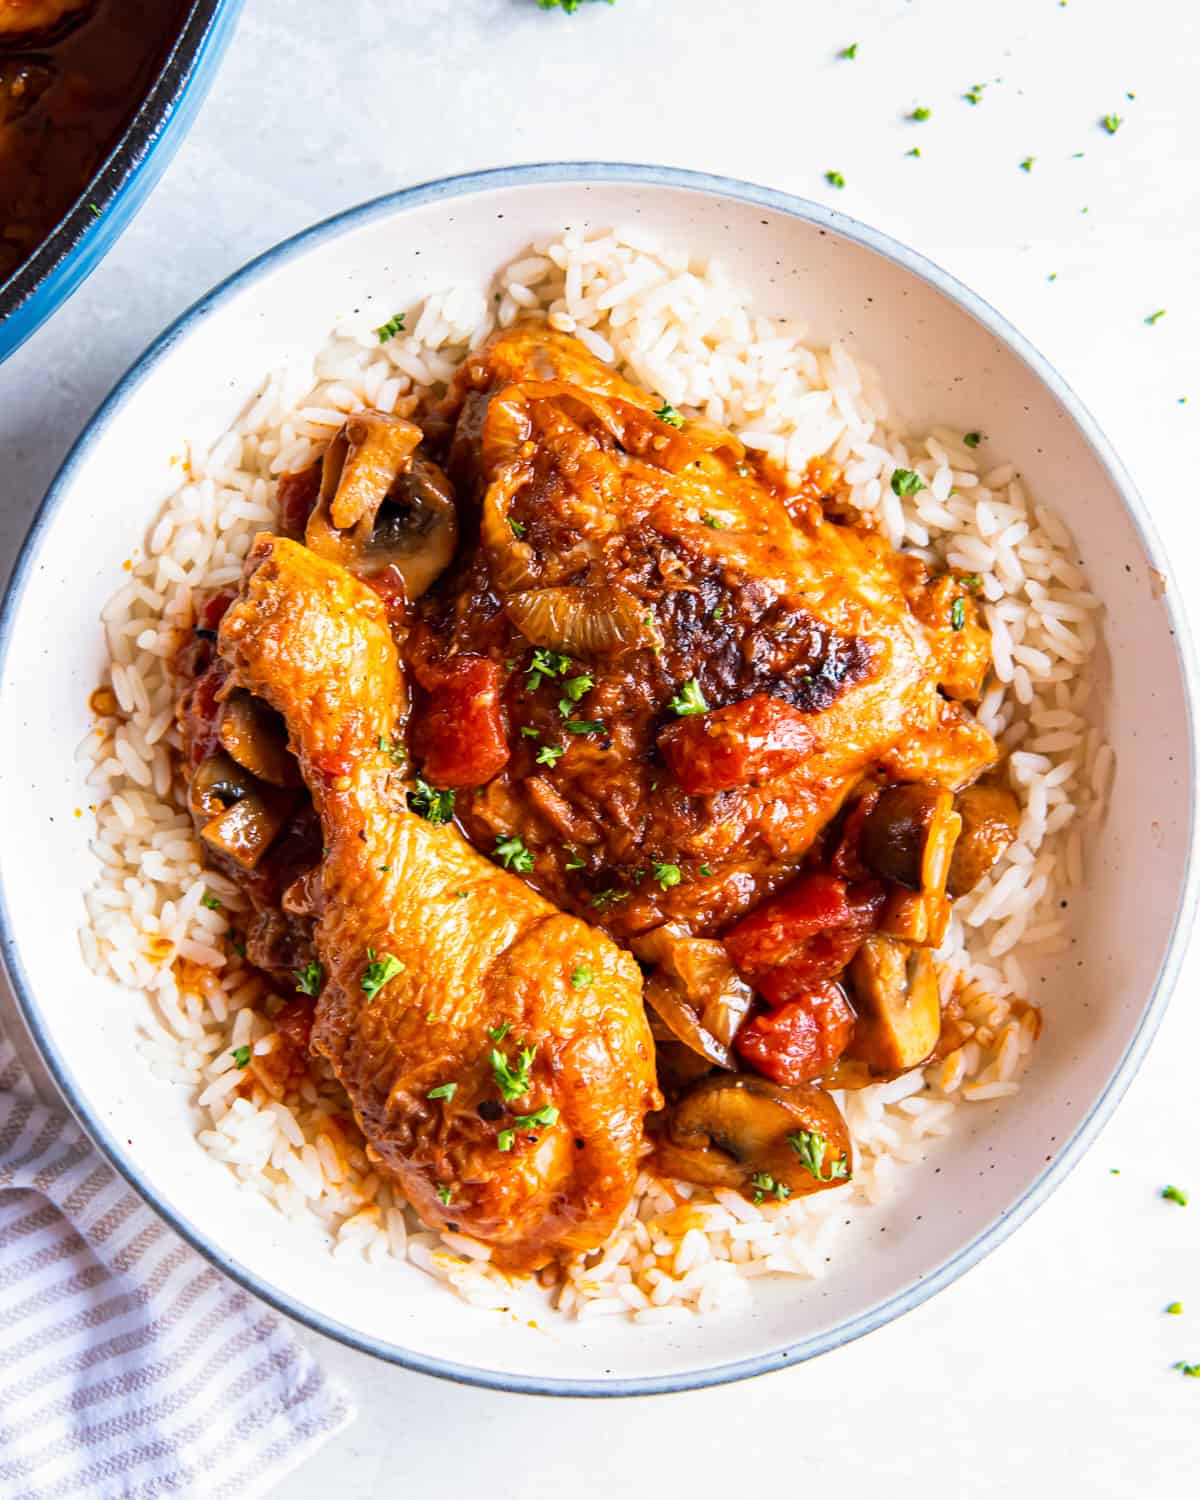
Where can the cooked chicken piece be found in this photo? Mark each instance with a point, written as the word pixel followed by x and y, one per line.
pixel 715 669
pixel 494 1049
pixel 25 17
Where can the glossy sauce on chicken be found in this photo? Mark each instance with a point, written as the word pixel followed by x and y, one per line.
pixel 687 710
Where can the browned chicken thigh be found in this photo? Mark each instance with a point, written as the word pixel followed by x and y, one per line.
pixel 494 1049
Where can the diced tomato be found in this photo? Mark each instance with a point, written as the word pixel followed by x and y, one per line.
pixel 297 500
pixel 213 610
pixel 389 585
pixel 295 1022
pixel 806 933
pixel 800 1040
pixel 754 740
pixel 846 861
pixel 458 731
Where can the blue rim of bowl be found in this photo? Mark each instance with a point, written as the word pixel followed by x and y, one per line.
pixel 1107 1098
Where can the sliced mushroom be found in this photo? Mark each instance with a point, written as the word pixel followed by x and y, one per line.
pixel 759 1137
pixel 909 836
pixel 990 820
pixel 899 1005
pixel 383 506
pixel 696 991
pixel 238 815
pixel 254 735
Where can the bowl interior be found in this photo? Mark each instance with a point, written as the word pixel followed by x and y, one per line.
pixel 939 363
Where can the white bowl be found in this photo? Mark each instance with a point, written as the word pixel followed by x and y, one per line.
pixel 951 359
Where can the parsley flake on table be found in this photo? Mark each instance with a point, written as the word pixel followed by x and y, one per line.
pixel 1154 317
pixel 212 902
pixel 548 754
pixel 916 151
pixel 1186 1369
pixel 920 114
pixel 309 979
pixel 668 414
pixel 512 853
pixel 765 1186
pixel 581 977
pixel 1027 164
pixel 1174 1194
pixel 689 700
pixel 1174 1307
pixel 975 93
pixel 810 1146
pixel 444 1091
pixel 241 1056
pixel 431 804
pixel 666 875
pixel 1112 123
pixel 568 7
pixel 835 179
pixel 391 328
pixel 512 1079
pixel 906 482
pixel 848 54
pixel 378 972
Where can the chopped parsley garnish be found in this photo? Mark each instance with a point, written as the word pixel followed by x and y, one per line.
pixel 958 614
pixel 906 482
pixel 96 212
pixel 518 528
pixel 975 93
pixel 391 328
pixel 504 1140
pixel 444 1192
pixel 546 756
pixel 920 114
pixel 432 805
pixel 710 520
pixel 810 1146
pixel 529 732
pixel 512 853
pixel 581 977
pixel 972 439
pixel 602 900
pixel 1154 316
pixel 241 1056
pixel 765 1185
pixel 1112 123
pixel 835 179
pixel 705 871
pixel 546 664
pixel 584 726
pixel 212 902
pixel 394 751
pixel 667 875
pixel 848 54
pixel 444 1091
pixel 575 689
pixel 1184 1368
pixel 498 1033
pixel 378 972
pixel 689 700
pixel 547 1115
pixel 568 7
pixel 1175 1307
pixel 668 414
pixel 512 1079
pixel 971 581
pixel 1175 1195
pixel 719 612
pixel 309 979
pixel 1027 164
pixel 573 861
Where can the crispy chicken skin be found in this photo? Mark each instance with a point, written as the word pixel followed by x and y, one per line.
pixel 487 967
pixel 656 553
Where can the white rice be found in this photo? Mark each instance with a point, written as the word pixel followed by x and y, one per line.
pixel 678 327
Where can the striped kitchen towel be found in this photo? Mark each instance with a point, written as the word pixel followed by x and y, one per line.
pixel 130 1367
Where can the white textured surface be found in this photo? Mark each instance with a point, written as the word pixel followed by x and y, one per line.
pixel 1052 1358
